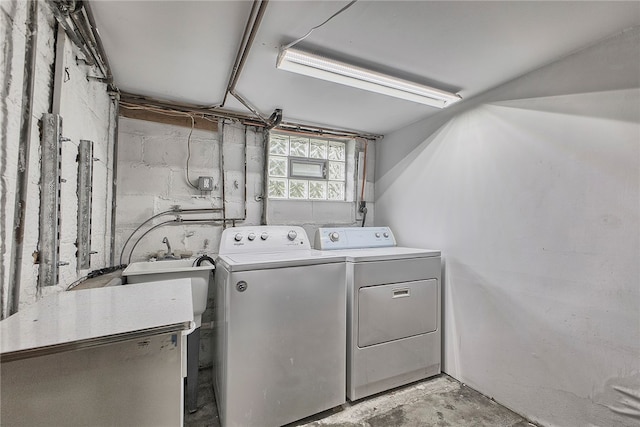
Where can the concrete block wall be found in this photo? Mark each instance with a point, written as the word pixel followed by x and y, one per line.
pixel 152 171
pixel 152 177
pixel 87 112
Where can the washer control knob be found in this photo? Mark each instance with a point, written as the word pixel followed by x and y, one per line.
pixel 334 237
pixel 251 236
pixel 264 236
pixel 237 237
pixel 378 235
pixel 292 235
pixel 386 235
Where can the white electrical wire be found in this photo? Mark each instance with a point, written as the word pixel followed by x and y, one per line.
pixel 318 26
pixel 193 124
pixel 129 106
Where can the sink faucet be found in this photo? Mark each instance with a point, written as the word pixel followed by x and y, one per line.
pixel 169 254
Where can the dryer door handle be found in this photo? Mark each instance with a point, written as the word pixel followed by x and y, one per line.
pixel 401 293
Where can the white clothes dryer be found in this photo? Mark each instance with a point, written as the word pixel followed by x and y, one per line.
pixel 393 308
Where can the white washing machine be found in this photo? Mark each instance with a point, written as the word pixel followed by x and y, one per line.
pixel 280 327
pixel 393 309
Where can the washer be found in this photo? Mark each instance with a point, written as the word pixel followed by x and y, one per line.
pixel 393 309
pixel 280 329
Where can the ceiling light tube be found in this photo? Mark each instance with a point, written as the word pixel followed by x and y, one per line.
pixel 317 66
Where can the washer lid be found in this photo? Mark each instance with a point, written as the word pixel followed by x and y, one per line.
pixel 259 261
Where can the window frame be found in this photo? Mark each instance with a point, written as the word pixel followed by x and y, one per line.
pixel 309 161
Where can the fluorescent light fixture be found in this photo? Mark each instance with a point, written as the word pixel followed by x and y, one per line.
pixel 317 66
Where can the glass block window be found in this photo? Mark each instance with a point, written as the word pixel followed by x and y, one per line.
pixel 318 190
pixel 298 189
pixel 299 147
pixel 318 149
pixel 278 166
pixel 304 168
pixel 278 188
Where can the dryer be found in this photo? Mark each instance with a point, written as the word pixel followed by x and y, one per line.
pixel 393 308
pixel 280 330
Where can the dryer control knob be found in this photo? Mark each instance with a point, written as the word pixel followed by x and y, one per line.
pixel 378 235
pixel 237 237
pixel 264 236
pixel 334 237
pixel 292 235
pixel 386 234
pixel 251 236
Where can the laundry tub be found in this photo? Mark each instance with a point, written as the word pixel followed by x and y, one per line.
pixel 200 277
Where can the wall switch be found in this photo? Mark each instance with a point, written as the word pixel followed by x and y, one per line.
pixel 205 183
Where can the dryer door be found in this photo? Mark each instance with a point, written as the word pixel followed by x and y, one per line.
pixel 396 311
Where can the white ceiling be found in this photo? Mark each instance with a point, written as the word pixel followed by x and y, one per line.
pixel 184 50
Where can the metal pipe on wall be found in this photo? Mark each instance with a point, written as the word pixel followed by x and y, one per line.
pixel 248 37
pixel 246 130
pixel 114 181
pixel 244 217
pixel 79 22
pixel 265 177
pixel 175 211
pixel 98 41
pixel 236 65
pixel 245 119
pixel 59 73
pixel 180 222
pixel 221 162
pixel 73 34
pixel 24 148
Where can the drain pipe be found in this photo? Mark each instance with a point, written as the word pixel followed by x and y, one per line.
pixel 221 166
pixel 265 178
pixel 239 62
pixel 97 41
pixel 114 179
pixel 24 148
pixel 59 10
pixel 246 132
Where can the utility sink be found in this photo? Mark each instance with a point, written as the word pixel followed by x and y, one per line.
pixel 153 271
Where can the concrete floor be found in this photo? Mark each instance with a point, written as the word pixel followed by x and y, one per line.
pixel 440 401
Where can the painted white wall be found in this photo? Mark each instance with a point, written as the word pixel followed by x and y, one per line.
pixel 532 192
pixel 87 112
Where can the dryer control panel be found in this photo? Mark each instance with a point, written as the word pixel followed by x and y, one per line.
pixel 328 238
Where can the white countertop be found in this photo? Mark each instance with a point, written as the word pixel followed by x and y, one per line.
pixel 86 318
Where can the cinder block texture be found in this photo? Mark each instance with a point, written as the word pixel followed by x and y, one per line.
pixel 87 113
pixel 155 182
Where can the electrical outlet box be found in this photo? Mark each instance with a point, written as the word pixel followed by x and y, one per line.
pixel 205 183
